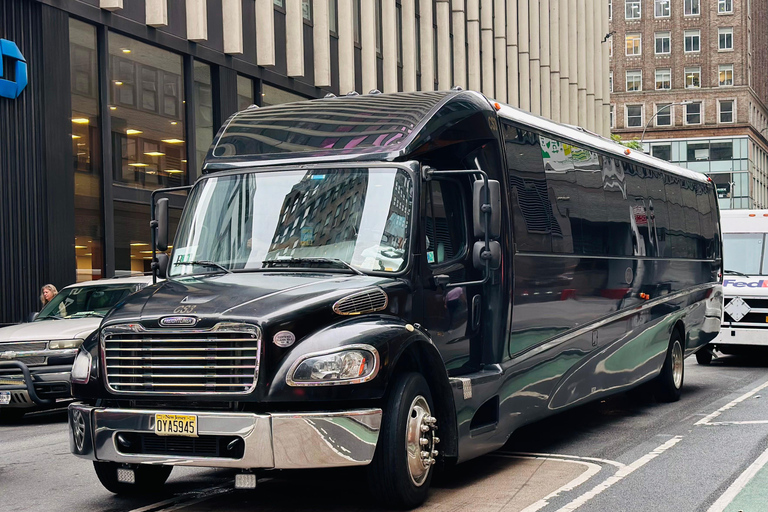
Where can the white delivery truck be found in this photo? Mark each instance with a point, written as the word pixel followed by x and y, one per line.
pixel 745 284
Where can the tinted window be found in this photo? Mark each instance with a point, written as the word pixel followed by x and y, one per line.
pixel 566 202
pixel 642 225
pixel 679 243
pixel 707 220
pixel 445 222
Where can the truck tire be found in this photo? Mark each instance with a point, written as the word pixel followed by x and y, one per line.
pixel 149 479
pixel 402 467
pixel 669 384
pixel 704 356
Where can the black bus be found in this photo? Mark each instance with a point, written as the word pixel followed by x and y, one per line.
pixel 352 273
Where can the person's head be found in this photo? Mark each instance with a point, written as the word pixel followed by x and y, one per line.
pixel 47 293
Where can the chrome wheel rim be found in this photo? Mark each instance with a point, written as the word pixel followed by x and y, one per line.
pixel 78 429
pixel 420 440
pixel 677 364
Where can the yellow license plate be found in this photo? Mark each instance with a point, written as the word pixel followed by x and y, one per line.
pixel 175 425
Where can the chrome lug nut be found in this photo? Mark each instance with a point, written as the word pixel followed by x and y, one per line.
pixel 434 453
pixel 435 439
pixel 425 455
pixel 423 441
pixel 425 428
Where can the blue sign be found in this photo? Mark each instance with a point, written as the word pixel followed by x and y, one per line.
pixel 12 88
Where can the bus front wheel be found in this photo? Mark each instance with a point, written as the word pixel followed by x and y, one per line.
pixel 402 466
pixel 669 383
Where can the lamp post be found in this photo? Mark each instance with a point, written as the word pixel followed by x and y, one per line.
pixel 657 113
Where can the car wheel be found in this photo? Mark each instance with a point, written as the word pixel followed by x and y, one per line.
pixel 669 383
pixel 149 479
pixel 401 471
pixel 704 356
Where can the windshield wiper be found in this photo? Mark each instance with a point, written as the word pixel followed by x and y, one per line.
pixel 52 317
pixel 84 314
pixel 206 263
pixel 735 273
pixel 300 261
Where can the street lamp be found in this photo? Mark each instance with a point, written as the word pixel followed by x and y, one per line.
pixel 686 102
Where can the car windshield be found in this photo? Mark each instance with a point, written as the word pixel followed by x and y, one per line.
pixel 743 252
pixel 86 301
pixel 333 218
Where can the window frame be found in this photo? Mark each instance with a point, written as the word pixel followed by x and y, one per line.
pixel 626 114
pixel 692 69
pixel 720 112
pixel 659 36
pixel 639 45
pixel 459 256
pixel 724 68
pixel 639 80
pixel 700 114
pixel 724 31
pixel 695 35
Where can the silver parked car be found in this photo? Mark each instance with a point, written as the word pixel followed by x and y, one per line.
pixel 36 357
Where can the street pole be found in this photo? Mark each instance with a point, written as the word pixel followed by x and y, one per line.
pixel 654 116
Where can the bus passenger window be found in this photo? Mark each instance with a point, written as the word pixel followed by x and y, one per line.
pixel 445 224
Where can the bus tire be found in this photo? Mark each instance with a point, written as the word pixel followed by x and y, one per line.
pixel 401 471
pixel 669 384
pixel 704 356
pixel 149 479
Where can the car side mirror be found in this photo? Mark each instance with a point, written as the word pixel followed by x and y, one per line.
pixel 492 255
pixel 479 209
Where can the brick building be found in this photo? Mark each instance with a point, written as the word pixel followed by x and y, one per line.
pixel 693 75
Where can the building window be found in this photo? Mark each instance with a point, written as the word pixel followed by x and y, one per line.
pixel 692 7
pixel 634 44
pixel 356 19
pixel 244 92
pixel 612 116
pixel 610 10
pixel 634 115
pixel 610 81
pixel 663 151
pixel 661 8
pixel 306 9
pixel 279 3
pixel 725 75
pixel 664 114
pixel 726 111
pixel 146 91
pixel 399 21
pixel 377 21
pixel 693 113
pixel 635 80
pixel 632 9
pixel 724 6
pixel 273 96
pixel 692 41
pixel 663 79
pixel 692 78
pixel 662 43
pixel 333 18
pixel 725 39
pixel 204 109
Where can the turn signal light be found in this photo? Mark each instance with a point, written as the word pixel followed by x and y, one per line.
pixel 645 296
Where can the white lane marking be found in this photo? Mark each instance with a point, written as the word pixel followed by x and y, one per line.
pixel 620 475
pixel 739 484
pixel 748 422
pixel 706 419
pixel 592 470
pixel 561 456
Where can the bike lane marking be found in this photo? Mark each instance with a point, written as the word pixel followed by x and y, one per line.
pixel 706 420
pixel 740 484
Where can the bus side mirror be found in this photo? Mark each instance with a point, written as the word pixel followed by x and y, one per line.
pixel 479 209
pixel 162 265
pixel 492 255
pixel 161 215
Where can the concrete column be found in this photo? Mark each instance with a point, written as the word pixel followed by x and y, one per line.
pixel 565 109
pixel 554 63
pixel 473 44
pixel 156 12
pixel 294 38
pixel 321 41
pixel 426 29
pixel 389 44
pixel 573 63
pixel 486 47
pixel 265 32
pixel 513 78
pixel 443 14
pixel 346 47
pixel 368 43
pixel 232 24
pixel 589 49
pixel 459 44
pixel 604 47
pixel 409 45
pixel 535 52
pixel 524 46
pixel 111 5
pixel 544 59
pixel 197 20
pixel 581 61
pixel 596 38
pixel 500 49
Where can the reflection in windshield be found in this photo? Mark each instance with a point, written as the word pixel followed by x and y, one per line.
pixel 742 252
pixel 86 301
pixel 358 216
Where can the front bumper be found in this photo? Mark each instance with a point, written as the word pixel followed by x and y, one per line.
pixel 731 335
pixel 275 440
pixel 36 386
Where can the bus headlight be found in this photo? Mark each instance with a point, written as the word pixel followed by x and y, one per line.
pixel 81 369
pixel 352 364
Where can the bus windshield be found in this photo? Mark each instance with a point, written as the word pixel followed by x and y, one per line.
pixel 743 252
pixel 359 217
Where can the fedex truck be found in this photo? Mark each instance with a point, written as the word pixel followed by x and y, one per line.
pixel 745 284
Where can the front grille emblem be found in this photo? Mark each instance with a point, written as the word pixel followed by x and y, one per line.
pixel 178 321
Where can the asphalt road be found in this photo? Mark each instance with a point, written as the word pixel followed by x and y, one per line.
pixel 627 453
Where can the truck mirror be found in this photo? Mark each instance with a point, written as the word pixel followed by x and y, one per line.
pixel 161 215
pixel 492 255
pixel 162 265
pixel 478 215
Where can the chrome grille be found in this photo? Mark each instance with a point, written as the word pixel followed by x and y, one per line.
pixel 171 362
pixel 23 346
pixel 366 301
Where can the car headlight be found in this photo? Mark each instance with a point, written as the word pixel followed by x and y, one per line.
pixel 63 344
pixel 81 368
pixel 353 364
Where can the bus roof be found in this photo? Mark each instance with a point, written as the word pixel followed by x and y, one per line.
pixel 744 221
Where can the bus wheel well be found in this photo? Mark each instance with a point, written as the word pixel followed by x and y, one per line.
pixel 680 328
pixel 419 358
